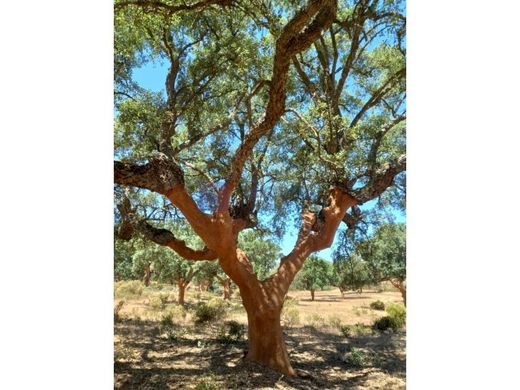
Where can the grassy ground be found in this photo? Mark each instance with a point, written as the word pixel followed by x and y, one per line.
pixel 149 355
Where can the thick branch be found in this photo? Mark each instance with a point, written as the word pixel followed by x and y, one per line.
pixel 153 5
pixel 166 238
pixel 315 234
pixel 161 174
pixel 381 179
pixel 297 35
pixel 130 225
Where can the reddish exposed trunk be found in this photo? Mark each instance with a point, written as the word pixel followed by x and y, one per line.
pixel 266 343
pixel 312 295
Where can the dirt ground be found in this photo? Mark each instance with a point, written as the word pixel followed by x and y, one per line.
pixel 196 357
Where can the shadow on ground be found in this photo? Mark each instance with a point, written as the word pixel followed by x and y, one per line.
pixel 146 358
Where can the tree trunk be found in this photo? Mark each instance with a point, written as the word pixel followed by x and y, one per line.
pixel 402 289
pixel 226 284
pixel 147 274
pixel 266 343
pixel 342 291
pixel 312 295
pixel 182 288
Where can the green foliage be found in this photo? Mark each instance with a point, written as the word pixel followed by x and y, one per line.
pixel 358 358
pixel 397 313
pixel 172 313
pixel 213 310
pixel 395 319
pixel 208 382
pixel 129 289
pixel 377 305
pixel 230 332
pixel 385 252
pixel 262 251
pixel 384 323
pixel 351 273
pixel 156 302
pixel 354 330
pixel 315 274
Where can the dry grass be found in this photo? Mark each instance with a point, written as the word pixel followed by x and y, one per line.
pixel 147 357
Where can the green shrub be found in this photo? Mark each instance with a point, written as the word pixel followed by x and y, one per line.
pixel 346 330
pixel 358 358
pixel 398 314
pixel 208 383
pixel 173 334
pixel 355 358
pixel 128 289
pixel 164 298
pixel 290 316
pixel 172 313
pixel 377 305
pixel 215 309
pixel 231 332
pixel 354 330
pixel 156 303
pixel 395 319
pixel 384 323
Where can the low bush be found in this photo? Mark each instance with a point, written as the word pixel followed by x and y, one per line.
pixel 164 298
pixel 383 323
pixel 395 319
pixel 358 358
pixel 231 332
pixel 398 314
pixel 354 330
pixel 290 316
pixel 172 313
pixel 156 302
pixel 128 289
pixel 209 382
pixel 377 305
pixel 214 310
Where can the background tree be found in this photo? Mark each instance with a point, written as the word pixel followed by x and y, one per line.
pixel 385 253
pixel 275 116
pixel 352 273
pixel 315 274
pixel 263 252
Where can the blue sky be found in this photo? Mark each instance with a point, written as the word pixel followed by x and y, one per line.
pixel 152 77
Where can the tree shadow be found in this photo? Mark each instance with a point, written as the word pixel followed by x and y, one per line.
pixel 156 362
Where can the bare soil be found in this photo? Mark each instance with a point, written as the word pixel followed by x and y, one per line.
pixel 197 357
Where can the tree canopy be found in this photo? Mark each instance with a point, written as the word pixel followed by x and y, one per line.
pixel 275 116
